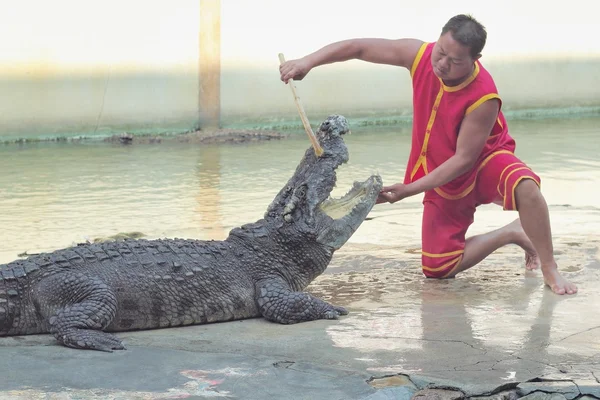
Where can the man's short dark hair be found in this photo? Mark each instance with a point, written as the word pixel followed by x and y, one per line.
pixel 467 31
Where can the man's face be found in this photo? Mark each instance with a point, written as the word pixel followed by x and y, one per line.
pixel 451 60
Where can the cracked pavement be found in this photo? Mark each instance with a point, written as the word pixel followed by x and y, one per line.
pixel 494 332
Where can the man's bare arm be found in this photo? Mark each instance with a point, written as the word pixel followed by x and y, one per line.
pixel 399 52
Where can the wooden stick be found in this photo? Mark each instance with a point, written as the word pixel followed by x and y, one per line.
pixel 307 128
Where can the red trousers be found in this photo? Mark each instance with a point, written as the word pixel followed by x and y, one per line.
pixel 445 220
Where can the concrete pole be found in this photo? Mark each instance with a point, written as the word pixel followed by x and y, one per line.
pixel 209 65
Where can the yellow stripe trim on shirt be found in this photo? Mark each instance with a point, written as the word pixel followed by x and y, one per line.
pixel 422 160
pixel 482 100
pixel 417 59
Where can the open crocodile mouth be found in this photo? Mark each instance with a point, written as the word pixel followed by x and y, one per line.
pixel 362 193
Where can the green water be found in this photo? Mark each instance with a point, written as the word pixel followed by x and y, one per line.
pixel 53 194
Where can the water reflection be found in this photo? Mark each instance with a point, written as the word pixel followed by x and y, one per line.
pixel 208 200
pixel 537 338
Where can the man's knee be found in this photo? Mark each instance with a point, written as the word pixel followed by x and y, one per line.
pixel 527 192
pixel 515 180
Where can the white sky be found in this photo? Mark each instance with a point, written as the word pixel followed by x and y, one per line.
pixel 40 35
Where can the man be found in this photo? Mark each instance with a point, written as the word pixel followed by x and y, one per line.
pixel 462 155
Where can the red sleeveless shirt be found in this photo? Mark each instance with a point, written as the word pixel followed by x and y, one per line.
pixel 438 111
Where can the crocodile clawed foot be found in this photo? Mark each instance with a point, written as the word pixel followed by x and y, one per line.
pixel 91 340
pixel 335 312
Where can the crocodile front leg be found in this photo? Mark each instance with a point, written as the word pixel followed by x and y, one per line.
pixel 278 303
pixel 78 308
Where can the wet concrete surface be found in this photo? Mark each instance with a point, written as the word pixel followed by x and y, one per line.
pixel 494 331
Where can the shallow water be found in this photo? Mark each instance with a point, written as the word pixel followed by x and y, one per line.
pixel 55 194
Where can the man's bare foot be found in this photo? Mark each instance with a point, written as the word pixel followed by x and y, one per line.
pixel 556 281
pixel 520 238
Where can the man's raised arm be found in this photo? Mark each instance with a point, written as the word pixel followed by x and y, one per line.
pixel 399 52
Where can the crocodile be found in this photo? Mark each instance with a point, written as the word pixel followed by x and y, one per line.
pixel 84 294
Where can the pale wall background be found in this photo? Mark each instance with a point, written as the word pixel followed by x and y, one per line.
pixel 72 67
